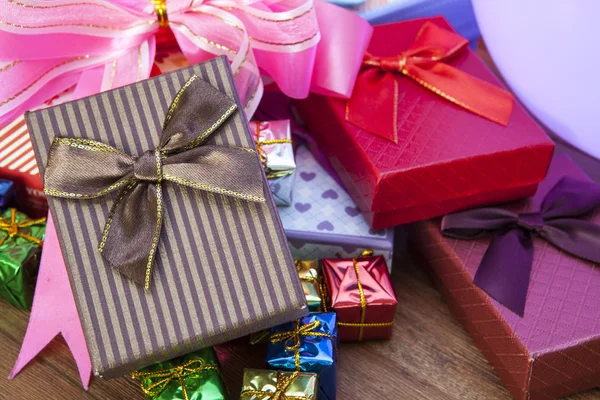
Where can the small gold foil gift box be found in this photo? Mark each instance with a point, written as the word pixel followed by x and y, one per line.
pixel 312 283
pixel 262 384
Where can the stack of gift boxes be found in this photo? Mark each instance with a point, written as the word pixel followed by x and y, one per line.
pixel 183 226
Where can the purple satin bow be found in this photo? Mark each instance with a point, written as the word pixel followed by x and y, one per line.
pixel 505 269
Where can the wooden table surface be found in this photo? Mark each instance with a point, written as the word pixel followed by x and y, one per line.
pixel 430 356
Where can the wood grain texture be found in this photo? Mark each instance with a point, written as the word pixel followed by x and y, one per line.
pixel 430 356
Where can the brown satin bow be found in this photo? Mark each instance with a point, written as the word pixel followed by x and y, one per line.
pixel 85 169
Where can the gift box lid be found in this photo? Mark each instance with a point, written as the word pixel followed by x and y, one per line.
pixel 202 291
pixel 554 348
pixel 444 152
pixel 323 211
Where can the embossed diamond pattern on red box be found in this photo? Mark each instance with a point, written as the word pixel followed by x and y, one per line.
pixel 446 158
pixel 555 349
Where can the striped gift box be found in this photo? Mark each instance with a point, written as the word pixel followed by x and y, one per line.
pixel 18 164
pixel 222 269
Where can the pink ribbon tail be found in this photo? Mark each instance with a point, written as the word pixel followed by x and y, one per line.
pixel 54 312
pixel 344 39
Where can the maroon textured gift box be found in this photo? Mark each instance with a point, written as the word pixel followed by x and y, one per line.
pixel 554 350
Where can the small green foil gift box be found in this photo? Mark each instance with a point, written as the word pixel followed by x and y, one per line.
pixel 262 384
pixel 169 231
pixel 20 245
pixel 196 376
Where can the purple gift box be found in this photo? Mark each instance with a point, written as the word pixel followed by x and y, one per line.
pixel 554 349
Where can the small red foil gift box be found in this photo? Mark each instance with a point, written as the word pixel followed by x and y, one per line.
pixel 549 347
pixel 428 130
pixel 360 292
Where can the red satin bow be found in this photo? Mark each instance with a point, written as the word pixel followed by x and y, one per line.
pixel 374 102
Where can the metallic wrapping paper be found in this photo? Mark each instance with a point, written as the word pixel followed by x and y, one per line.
pixel 459 13
pixel 303 387
pixel 206 384
pixel 19 262
pixel 310 276
pixel 278 157
pixel 316 354
pixel 203 291
pixel 7 193
pixel 283 189
pixel 360 292
pixel 478 162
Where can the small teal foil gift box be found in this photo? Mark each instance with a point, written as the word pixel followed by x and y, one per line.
pixel 323 221
pixel 308 345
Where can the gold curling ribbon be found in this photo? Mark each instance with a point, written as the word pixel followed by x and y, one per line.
pixel 160 6
pixel 293 336
pixel 363 304
pixel 180 373
pixel 283 383
pixel 12 227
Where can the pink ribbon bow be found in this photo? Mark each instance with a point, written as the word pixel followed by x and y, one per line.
pixel 47 46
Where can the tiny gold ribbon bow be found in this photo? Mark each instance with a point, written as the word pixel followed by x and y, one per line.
pixel 291 338
pixel 155 382
pixel 83 169
pixel 282 386
pixel 12 228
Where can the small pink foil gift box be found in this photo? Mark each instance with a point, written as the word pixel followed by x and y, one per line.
pixel 554 349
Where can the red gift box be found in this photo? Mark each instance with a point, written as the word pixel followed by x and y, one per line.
pixel 446 158
pixel 360 292
pixel 554 349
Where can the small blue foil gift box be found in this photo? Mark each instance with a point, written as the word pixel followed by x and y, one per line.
pixel 324 221
pixel 308 345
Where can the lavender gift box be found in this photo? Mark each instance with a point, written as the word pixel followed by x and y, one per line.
pixel 323 219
